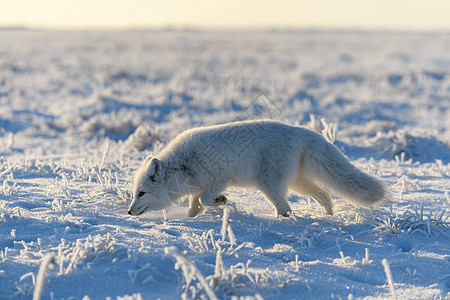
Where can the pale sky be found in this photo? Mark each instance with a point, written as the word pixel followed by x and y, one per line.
pixel 359 14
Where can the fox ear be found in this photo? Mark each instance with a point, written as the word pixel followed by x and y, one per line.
pixel 155 169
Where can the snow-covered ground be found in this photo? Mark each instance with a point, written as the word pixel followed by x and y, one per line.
pixel 79 111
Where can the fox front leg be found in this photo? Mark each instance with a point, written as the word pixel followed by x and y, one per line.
pixel 211 196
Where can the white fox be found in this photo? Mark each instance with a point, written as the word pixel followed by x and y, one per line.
pixel 269 155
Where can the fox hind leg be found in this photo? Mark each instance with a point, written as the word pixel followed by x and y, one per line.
pixel 195 206
pixel 307 187
pixel 273 186
pixel 280 203
pixel 278 199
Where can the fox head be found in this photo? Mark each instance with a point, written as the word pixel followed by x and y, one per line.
pixel 149 188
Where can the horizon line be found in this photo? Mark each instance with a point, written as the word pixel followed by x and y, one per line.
pixel 208 28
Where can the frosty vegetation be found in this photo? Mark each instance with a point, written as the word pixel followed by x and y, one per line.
pixel 79 111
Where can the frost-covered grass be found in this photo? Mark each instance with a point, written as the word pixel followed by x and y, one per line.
pixel 79 111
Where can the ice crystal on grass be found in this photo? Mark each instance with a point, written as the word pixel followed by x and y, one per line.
pixel 7 170
pixel 239 277
pixel 142 138
pixel 6 142
pixel 26 284
pixel 9 188
pixel 329 131
pixel 405 184
pixel 306 239
pixel 390 279
pixel 47 262
pixel 133 274
pixel 191 273
pixel 137 296
pixel 87 249
pixel 8 215
pixel 415 145
pixel 208 242
pixel 416 221
pixel 255 297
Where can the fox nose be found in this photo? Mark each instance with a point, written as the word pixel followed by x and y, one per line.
pixel 129 212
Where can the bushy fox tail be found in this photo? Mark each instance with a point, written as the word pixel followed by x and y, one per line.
pixel 325 163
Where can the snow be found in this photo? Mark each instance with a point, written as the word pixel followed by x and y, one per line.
pixel 79 111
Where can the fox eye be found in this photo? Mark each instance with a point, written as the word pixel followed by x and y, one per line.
pixel 141 194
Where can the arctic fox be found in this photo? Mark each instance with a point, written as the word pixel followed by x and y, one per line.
pixel 269 155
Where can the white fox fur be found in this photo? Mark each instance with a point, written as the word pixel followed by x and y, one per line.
pixel 271 156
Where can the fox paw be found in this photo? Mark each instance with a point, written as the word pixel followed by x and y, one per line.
pixel 327 211
pixel 221 200
pixel 287 214
pixel 195 210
